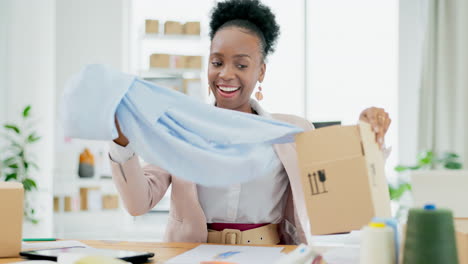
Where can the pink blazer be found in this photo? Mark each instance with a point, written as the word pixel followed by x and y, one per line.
pixel 142 188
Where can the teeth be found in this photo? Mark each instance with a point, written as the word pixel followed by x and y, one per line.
pixel 228 89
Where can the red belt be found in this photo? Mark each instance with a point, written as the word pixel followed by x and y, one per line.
pixel 240 227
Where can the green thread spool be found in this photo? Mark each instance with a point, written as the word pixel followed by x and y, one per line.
pixel 430 237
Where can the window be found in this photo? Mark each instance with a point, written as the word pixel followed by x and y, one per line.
pixel 352 61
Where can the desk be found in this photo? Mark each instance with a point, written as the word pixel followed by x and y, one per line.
pixel 162 251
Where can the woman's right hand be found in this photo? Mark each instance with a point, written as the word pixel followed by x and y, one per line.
pixel 121 140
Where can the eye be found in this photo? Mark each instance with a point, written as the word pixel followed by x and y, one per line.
pixel 216 63
pixel 241 66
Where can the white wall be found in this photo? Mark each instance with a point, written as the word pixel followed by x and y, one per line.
pixel 28 78
pixel 353 62
pixel 283 87
pixel 87 32
pixel 411 30
pixel 4 16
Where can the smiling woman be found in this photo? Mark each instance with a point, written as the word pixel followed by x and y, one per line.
pixel 267 210
pixel 242 35
pixel 235 68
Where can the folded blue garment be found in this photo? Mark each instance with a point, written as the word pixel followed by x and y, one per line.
pixel 192 140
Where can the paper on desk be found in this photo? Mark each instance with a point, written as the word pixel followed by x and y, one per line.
pixel 343 248
pixel 342 255
pixel 230 254
pixel 55 244
pixel 352 239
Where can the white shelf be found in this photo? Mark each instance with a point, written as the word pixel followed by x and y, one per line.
pixel 72 187
pixel 170 73
pixel 160 36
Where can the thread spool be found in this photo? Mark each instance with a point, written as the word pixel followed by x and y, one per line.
pixel 377 244
pixel 393 223
pixel 430 237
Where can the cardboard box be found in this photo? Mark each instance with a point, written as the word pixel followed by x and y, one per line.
pixel 151 26
pixel 193 62
pixel 342 173
pixel 191 28
pixel 160 61
pixel 56 204
pixel 173 28
pixel 461 227
pixel 110 201
pixel 67 204
pixel 11 220
pixel 178 61
pixel 89 198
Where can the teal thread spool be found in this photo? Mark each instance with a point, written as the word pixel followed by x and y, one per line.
pixel 430 237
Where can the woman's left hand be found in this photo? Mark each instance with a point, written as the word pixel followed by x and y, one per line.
pixel 379 120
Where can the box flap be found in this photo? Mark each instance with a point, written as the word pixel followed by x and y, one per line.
pixel 328 144
pixel 376 171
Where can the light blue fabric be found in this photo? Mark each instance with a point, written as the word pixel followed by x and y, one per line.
pixel 192 140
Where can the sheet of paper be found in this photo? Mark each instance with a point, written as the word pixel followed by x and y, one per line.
pixel 55 244
pixel 344 255
pixel 229 254
pixel 343 248
pixel 352 239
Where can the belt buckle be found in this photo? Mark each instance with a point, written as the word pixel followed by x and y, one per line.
pixel 226 232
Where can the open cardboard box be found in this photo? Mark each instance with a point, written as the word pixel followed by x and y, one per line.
pixel 342 172
pixel 11 220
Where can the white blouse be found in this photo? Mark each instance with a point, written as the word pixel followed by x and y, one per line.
pixel 258 201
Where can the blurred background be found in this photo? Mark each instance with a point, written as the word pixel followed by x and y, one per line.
pixel 334 58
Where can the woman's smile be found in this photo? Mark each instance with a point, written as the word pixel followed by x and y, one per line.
pixel 227 91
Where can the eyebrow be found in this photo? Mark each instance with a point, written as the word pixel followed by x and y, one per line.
pixel 237 55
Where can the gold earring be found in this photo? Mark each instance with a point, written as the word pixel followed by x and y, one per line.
pixel 259 94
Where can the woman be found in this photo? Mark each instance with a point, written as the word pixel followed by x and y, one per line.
pixel 263 211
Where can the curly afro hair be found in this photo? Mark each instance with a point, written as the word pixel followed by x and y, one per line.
pixel 250 15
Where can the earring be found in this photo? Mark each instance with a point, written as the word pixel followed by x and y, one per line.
pixel 209 90
pixel 259 94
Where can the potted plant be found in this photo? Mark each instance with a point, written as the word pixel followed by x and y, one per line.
pixel 17 162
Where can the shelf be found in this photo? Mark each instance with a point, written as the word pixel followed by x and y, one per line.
pixel 87 181
pixel 156 73
pixel 159 36
pixel 71 187
pixel 91 213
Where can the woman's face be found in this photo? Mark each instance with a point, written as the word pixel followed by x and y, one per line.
pixel 235 66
